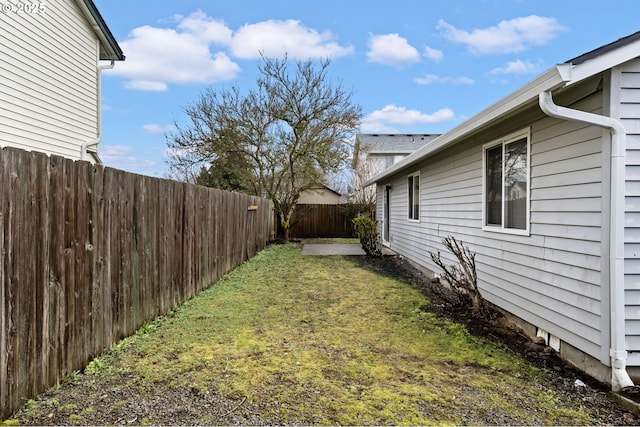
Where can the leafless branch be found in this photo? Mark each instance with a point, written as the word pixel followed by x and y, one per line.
pixel 463 277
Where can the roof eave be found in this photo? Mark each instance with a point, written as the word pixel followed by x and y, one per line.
pixel 605 60
pixel 109 43
pixel 552 79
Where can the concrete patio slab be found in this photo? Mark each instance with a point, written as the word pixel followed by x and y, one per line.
pixel 332 249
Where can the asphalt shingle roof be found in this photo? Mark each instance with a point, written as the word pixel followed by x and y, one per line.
pixel 392 143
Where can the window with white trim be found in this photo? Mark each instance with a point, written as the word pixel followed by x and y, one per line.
pixel 413 184
pixel 506 184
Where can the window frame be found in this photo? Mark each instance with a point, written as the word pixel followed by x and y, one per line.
pixel 389 160
pixel 503 142
pixel 411 214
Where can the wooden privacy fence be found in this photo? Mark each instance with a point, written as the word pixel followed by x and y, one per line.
pixel 322 221
pixel 88 254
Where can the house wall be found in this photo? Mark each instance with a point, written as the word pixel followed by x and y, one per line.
pixel 626 106
pixel 48 80
pixel 552 278
pixel 369 165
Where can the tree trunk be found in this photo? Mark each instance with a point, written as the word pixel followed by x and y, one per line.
pixel 285 225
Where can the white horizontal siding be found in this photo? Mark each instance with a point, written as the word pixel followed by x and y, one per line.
pixel 48 81
pixel 551 278
pixel 629 111
pixel 630 95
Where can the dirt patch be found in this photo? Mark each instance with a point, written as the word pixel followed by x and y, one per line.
pixel 594 395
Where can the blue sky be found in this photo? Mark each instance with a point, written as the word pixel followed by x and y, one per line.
pixel 414 66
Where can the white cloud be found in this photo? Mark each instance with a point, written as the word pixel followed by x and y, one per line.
pixel 433 54
pixel 519 67
pixel 158 56
pixel 375 127
pixel 394 115
pixel 391 49
pixel 433 78
pixel 122 157
pixel 146 85
pixel 515 35
pixel 274 38
pixel 428 79
pixel 199 50
pixel 205 28
pixel 156 129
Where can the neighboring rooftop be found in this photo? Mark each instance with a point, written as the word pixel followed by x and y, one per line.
pixel 374 143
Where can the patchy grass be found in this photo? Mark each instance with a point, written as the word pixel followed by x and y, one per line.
pixel 318 340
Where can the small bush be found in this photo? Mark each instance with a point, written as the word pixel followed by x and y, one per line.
pixel 367 231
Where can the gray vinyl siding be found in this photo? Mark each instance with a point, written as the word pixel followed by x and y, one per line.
pixel 48 80
pixel 629 112
pixel 551 278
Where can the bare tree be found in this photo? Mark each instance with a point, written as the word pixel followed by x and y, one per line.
pixel 290 132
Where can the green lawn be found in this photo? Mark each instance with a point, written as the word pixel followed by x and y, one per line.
pixel 319 340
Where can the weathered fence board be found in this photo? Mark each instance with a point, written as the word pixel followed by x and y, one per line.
pixel 88 254
pixel 322 221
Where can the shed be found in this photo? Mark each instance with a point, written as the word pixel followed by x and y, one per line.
pixel 52 55
pixel 319 195
pixel 544 186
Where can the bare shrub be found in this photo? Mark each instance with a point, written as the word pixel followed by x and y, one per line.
pixel 462 278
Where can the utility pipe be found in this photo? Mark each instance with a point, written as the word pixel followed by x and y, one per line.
pixel 84 148
pixel 620 379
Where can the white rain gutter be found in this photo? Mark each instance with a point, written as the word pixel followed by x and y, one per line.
pixel 620 379
pixel 84 148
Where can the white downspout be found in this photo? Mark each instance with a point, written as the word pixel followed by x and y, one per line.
pixel 619 377
pixel 95 141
